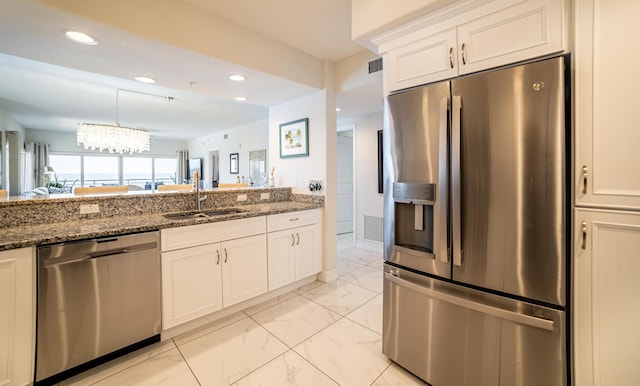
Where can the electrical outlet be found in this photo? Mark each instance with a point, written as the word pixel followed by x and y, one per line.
pixel 264 196
pixel 242 197
pixel 89 208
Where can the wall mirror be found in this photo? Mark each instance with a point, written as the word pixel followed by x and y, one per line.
pixel 258 167
pixel 233 163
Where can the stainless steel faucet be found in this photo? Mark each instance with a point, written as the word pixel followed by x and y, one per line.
pixel 199 199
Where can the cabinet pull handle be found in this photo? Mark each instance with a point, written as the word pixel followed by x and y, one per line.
pixel 218 252
pixel 451 57
pixel 293 240
pixel 294 219
pixel 585 175
pixel 225 255
pixel 584 235
pixel 298 236
pixel 464 60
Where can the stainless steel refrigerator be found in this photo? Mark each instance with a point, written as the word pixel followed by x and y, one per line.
pixel 475 235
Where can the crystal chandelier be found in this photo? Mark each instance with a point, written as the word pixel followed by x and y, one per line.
pixel 114 138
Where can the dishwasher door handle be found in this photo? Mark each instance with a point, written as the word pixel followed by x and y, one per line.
pixel 96 255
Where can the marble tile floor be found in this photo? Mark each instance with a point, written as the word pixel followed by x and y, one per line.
pixel 322 334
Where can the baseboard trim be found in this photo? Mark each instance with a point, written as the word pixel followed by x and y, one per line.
pixel 328 276
pixel 370 245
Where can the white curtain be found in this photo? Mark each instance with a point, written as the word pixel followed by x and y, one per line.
pixel 37 157
pixel 182 174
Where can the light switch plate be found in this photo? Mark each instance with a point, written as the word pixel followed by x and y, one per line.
pixel 264 196
pixel 89 208
pixel 242 197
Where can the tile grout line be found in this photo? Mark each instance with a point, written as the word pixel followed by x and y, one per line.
pixel 187 363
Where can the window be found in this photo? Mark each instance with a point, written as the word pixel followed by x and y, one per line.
pixel 67 171
pixel 137 171
pixel 84 170
pixel 100 171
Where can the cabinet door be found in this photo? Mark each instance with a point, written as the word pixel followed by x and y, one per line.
pixel 426 60
pixel 244 268
pixel 190 284
pixel 531 29
pixel 606 344
pixel 280 258
pixel 607 115
pixel 308 251
pixel 17 316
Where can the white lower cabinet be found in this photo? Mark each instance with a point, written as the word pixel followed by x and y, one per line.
pixel 606 311
pixel 244 269
pixel 294 246
pixel 17 316
pixel 204 274
pixel 191 284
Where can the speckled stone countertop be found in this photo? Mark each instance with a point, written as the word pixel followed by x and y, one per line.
pixel 78 229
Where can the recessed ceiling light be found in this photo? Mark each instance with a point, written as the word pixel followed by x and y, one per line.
pixel 337 108
pixel 240 98
pixel 81 37
pixel 237 77
pixel 144 79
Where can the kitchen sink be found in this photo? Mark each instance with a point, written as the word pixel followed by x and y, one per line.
pixel 202 214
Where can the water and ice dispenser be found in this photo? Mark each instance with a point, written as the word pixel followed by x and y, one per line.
pixel 414 216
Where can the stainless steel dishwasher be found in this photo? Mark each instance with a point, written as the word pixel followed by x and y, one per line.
pixel 97 299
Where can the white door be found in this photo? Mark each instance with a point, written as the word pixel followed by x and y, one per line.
pixel 190 284
pixel 607 114
pixel 281 246
pixel 345 181
pixel 606 311
pixel 244 268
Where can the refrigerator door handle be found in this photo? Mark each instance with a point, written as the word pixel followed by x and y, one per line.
pixel 532 321
pixel 456 193
pixel 440 230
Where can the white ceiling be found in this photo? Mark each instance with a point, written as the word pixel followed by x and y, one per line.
pixel 50 83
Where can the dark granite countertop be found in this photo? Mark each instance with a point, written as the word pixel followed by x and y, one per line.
pixel 58 232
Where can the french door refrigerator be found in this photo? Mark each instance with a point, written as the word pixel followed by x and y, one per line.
pixel 476 217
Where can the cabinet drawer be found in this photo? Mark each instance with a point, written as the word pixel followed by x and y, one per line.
pixel 192 235
pixel 276 222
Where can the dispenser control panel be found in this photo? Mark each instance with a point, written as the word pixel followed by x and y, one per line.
pixel 414 193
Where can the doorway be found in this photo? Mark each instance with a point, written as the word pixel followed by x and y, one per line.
pixel 345 181
pixel 214 168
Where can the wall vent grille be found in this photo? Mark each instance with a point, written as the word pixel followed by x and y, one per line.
pixel 375 65
pixel 373 228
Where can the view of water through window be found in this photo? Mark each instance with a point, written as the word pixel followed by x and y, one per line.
pixel 143 173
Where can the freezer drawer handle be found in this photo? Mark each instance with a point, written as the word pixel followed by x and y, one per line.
pixel 532 321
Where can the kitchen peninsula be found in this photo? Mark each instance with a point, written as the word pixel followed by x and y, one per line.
pixel 245 246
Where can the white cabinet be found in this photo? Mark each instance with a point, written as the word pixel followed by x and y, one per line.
pixel 210 266
pixel 521 30
pixel 606 311
pixel 294 246
pixel 17 316
pixel 606 112
pixel 244 268
pixel 191 283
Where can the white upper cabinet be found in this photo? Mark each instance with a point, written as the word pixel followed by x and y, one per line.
pixel 607 116
pixel 524 31
pixel 464 40
pixel 423 61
